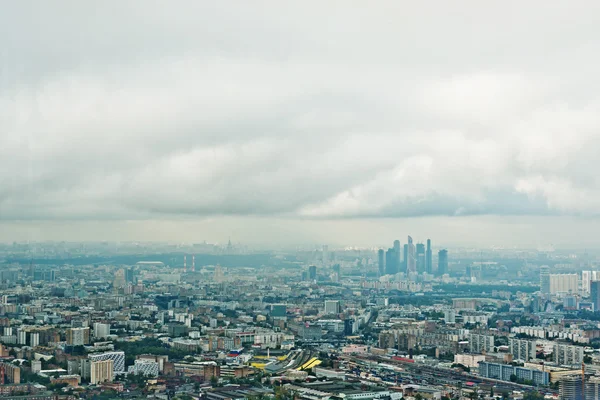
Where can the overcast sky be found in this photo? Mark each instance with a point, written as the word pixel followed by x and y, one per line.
pixel 327 121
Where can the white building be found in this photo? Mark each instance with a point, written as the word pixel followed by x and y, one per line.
pixel 479 343
pixel 522 349
pixel 565 354
pixel 332 307
pixel 586 279
pixel 144 367
pixel 563 283
pixel 118 358
pixel 268 339
pixel 469 360
pixel 450 316
pixel 101 330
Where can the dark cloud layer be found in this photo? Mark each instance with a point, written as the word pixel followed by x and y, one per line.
pixel 138 110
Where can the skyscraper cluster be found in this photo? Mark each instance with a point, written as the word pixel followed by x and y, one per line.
pixel 414 259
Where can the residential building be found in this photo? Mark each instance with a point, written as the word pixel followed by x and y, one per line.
pixel 522 349
pixel 481 343
pixel 566 354
pixel 101 371
pixel 78 336
pixel 332 307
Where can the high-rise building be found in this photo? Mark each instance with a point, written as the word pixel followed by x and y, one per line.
pixel 101 371
pixel 545 279
pixel 420 257
pixel 390 262
pixel 397 251
pixel 595 294
pixel 117 357
pixel 522 349
pixel 10 373
pixel 218 275
pixel 411 265
pixel 428 258
pixel 442 262
pixel 564 283
pixel 130 275
pixel 381 261
pixel 332 307
pixel 450 316
pixel 78 336
pixel 101 330
pixel 337 272
pixel 312 272
pixel 405 259
pixel 592 388
pixel 479 343
pixel 566 354
pixel 572 387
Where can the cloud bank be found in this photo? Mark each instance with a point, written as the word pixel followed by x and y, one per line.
pixel 311 110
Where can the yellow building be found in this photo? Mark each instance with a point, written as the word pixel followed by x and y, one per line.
pixel 101 371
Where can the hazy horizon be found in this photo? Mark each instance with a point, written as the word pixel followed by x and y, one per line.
pixel 347 123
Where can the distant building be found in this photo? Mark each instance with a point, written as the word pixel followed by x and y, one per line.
pixel 390 262
pixel 381 262
pixel 545 279
pixel 411 265
pixel 405 259
pixel 312 272
pixel 420 251
pixel 563 283
pixel 428 258
pixel 332 307
pixel 595 294
pixel 337 272
pixel 442 262
pixel 397 254
pixel 450 316
pixel 119 279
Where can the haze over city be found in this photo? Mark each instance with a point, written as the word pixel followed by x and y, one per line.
pixel 299 200
pixel 300 122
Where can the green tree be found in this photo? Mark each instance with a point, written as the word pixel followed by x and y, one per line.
pixel 533 396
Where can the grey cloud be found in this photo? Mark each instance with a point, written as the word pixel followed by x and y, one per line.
pixel 310 110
